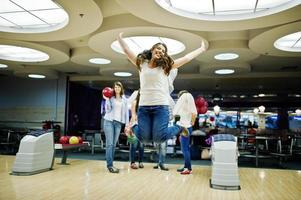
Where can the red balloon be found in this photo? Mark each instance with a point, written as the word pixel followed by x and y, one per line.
pixel 108 92
pixel 202 110
pixel 200 101
pixel 64 140
pixel 80 139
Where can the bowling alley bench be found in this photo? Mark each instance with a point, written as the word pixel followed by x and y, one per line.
pixel 68 147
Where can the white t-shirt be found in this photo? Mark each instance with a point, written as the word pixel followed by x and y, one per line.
pixel 185 107
pixel 117 110
pixel 153 86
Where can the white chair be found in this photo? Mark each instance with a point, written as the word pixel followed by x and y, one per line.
pixel 224 155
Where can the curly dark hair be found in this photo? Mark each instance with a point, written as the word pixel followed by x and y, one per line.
pixel 165 62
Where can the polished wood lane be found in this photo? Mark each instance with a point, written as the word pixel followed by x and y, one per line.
pixel 85 179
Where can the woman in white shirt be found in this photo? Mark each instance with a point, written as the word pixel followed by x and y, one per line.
pixel 186 109
pixel 154 66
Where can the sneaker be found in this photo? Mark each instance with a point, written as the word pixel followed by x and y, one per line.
pixel 162 167
pixel 184 132
pixel 180 169
pixel 134 166
pixel 141 165
pixel 113 170
pixel 156 167
pixel 186 171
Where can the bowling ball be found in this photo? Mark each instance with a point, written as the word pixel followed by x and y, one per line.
pixel 73 140
pixel 64 140
pixel 202 110
pixel 80 139
pixel 108 92
pixel 200 101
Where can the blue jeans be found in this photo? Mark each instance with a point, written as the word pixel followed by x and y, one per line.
pixel 185 142
pixel 161 152
pixel 153 124
pixel 112 132
pixel 133 147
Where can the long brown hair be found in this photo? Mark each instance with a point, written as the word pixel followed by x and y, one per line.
pixel 120 85
pixel 165 62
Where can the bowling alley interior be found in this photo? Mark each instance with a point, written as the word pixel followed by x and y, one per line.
pixel 60 107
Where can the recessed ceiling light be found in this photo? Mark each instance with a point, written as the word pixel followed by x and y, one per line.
pixel 21 54
pixel 226 56
pixel 3 66
pixel 31 16
pixel 36 76
pixel 224 71
pixel 261 95
pixel 140 43
pixel 122 74
pixel 100 61
pixel 221 10
pixel 291 42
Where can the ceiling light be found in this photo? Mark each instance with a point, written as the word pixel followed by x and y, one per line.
pixel 261 95
pixel 224 71
pixel 291 42
pixel 31 16
pixel 123 74
pixel 3 66
pixel 226 56
pixel 21 54
pixel 36 76
pixel 221 10
pixel 101 61
pixel 140 43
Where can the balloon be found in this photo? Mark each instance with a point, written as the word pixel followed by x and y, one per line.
pixel 202 110
pixel 108 92
pixel 200 101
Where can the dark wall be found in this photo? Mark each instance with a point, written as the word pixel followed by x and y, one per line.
pixel 84 108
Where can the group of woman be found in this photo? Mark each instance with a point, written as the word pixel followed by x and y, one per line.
pixel 154 68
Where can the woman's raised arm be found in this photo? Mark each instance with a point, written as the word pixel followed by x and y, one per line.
pixel 130 54
pixel 188 57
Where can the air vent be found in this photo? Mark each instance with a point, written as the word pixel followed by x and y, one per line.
pixel 289 68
